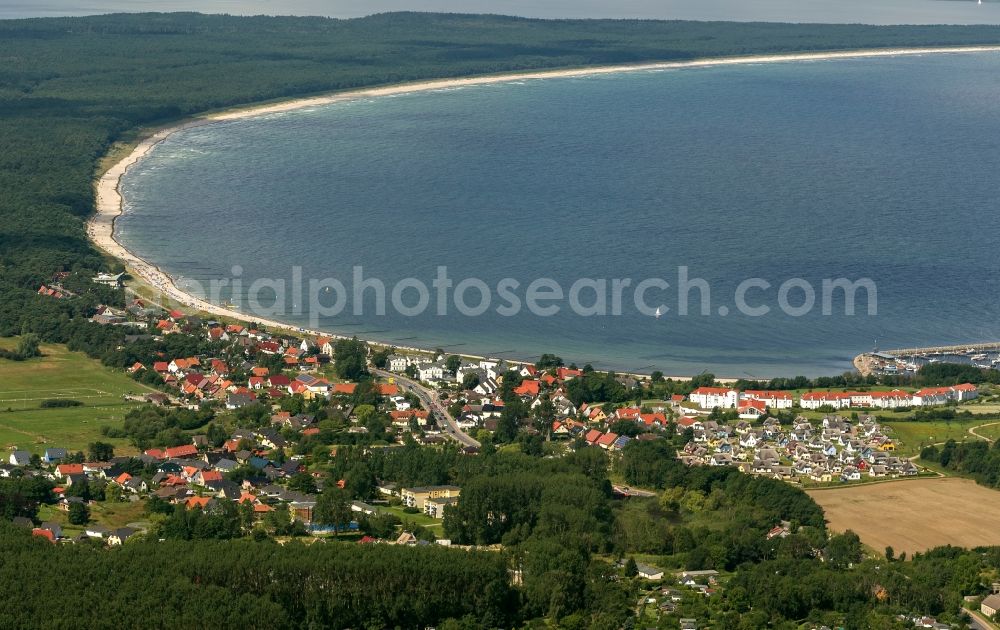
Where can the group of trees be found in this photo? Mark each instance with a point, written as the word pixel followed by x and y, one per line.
pixel 229 584
pixel 351 359
pixel 598 387
pixel 22 496
pixel 150 426
pixel 929 375
pixel 979 460
pixel 27 348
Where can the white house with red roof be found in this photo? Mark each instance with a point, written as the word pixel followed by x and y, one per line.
pixel 932 396
pixel 891 400
pixel 750 409
pixel 815 400
pixel 773 400
pixel 628 413
pixel 712 397
pixel 965 391
pixel 607 440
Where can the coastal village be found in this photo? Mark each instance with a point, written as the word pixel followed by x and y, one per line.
pixel 433 399
pixel 813 437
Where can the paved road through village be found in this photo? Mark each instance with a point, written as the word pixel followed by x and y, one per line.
pixel 432 403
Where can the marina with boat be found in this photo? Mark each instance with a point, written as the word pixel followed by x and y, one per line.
pixel 910 360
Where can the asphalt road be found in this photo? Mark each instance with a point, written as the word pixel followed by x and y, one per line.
pixel 430 400
pixel 978 621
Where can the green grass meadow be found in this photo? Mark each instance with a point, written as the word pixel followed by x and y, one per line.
pixel 61 374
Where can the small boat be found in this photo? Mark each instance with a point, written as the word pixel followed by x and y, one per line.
pixel 659 312
pixel 978 357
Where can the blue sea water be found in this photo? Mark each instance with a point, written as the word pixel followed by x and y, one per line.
pixel 867 168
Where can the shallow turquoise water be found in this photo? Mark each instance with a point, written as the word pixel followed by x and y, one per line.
pixel 877 168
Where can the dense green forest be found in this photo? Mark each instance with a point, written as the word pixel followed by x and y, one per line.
pixel 979 460
pixel 564 540
pixel 244 584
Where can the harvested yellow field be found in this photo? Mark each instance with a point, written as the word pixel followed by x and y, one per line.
pixel 915 515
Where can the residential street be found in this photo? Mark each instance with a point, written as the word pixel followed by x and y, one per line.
pixel 430 400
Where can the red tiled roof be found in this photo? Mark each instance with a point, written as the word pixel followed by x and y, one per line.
pixel 649 419
pixel 825 395
pixel 607 439
pixel 186 450
pixel 194 502
pixel 528 388
pixel 718 391
pixel 388 389
pixel 759 405
pixel 753 393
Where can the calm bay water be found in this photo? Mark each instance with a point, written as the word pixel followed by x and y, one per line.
pixel 878 168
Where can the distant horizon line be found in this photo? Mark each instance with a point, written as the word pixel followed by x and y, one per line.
pixel 727 19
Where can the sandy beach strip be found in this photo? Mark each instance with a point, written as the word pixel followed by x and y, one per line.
pixel 110 203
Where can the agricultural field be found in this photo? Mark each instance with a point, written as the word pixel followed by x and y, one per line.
pixel 61 374
pixel 914 515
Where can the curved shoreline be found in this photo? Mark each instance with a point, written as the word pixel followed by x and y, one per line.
pixel 110 202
